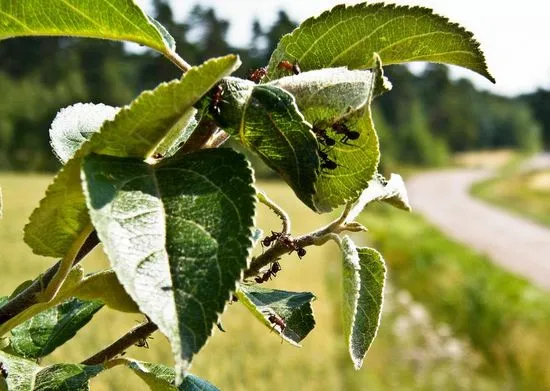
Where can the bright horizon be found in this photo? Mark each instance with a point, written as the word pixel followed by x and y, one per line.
pixel 512 35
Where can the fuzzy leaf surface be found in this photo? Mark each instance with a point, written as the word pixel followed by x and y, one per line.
pixel 114 19
pixel 339 96
pixel 392 191
pixel 42 334
pixel 293 308
pixel 104 286
pixel 266 120
pixel 135 131
pixel 177 235
pixel 349 35
pixel 364 276
pixel 26 375
pixel 75 124
pixel 162 378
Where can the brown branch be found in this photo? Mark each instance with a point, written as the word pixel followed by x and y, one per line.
pixel 138 333
pixel 29 296
pixel 205 129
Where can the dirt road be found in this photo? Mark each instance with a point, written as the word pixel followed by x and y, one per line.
pixel 516 244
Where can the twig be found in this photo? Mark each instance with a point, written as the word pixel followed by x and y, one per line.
pixel 30 295
pixel 177 60
pixel 129 339
pixel 277 210
pixel 317 238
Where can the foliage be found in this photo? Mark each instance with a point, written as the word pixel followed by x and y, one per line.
pixel 500 314
pixel 525 192
pixel 175 213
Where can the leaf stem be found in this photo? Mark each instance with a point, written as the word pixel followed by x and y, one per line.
pixel 139 332
pixel 30 295
pixel 264 199
pixel 178 61
pixel 66 265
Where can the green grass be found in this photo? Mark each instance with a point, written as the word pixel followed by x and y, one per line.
pixel 413 350
pixel 503 316
pixel 523 193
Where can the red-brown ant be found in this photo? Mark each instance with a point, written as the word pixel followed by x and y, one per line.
pixel 277 321
pixel 340 128
pixel 290 67
pixel 257 75
pixel 272 272
pixel 286 241
pixel 3 370
pixel 323 137
pixel 216 98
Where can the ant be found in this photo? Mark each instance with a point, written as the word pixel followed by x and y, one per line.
pixel 257 75
pixel 290 67
pixel 286 241
pixel 272 238
pixel 340 128
pixel 323 137
pixel 277 321
pixel 3 370
pixel 273 270
pixel 157 156
pixel 216 99
pixel 142 343
pixel 327 162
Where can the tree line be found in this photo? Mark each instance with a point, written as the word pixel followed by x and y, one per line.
pixel 430 117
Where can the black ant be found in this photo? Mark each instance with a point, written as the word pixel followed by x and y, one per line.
pixel 3 370
pixel 157 156
pixel 216 99
pixel 323 137
pixel 290 67
pixel 270 239
pixel 142 343
pixel 327 163
pixel 277 321
pixel 272 272
pixel 257 75
pixel 340 128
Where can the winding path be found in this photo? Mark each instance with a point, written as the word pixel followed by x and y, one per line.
pixel 516 244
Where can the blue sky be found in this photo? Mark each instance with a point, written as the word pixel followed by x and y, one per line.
pixel 513 34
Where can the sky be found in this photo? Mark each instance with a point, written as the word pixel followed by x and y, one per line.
pixel 513 34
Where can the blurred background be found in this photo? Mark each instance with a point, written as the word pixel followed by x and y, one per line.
pixel 467 306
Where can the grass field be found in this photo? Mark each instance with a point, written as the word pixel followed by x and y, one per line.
pixel 416 348
pixel 523 193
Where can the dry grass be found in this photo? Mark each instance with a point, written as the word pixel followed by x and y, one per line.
pixel 485 159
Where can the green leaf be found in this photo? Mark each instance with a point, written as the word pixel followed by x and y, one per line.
pixel 349 35
pixel 177 235
pixel 380 189
pixel 293 308
pixel 113 19
pixel 71 282
pixel 72 377
pixel 75 124
pixel 1 205
pixel 42 334
pixel 331 96
pixel 162 378
pixel 266 119
pixel 104 286
pixel 26 375
pixel 364 276
pixel 135 131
